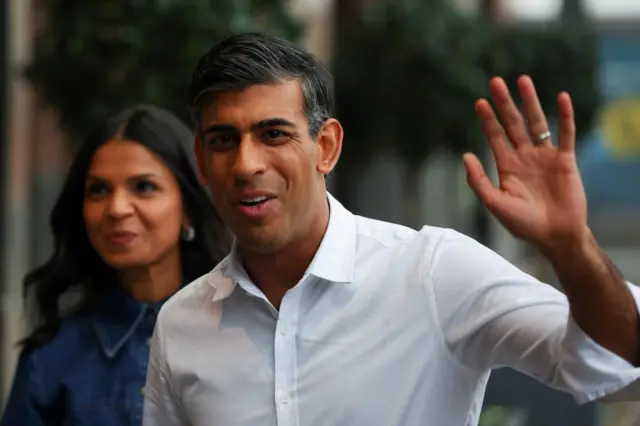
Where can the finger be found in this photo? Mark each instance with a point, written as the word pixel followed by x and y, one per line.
pixel 479 181
pixel 567 135
pixel 513 122
pixel 492 130
pixel 536 120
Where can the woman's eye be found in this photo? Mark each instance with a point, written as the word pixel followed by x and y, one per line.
pixel 145 186
pixel 96 188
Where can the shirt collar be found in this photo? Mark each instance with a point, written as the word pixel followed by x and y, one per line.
pixel 116 318
pixel 334 261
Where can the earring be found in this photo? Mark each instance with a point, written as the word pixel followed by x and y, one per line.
pixel 188 234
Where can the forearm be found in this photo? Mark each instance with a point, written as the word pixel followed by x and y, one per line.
pixel 600 302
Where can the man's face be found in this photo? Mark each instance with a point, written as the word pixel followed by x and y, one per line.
pixel 265 171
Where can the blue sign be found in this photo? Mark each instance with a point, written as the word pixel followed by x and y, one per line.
pixel 610 158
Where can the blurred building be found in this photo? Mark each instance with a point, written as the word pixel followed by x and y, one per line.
pixel 35 159
pixel 16 171
pixel 4 103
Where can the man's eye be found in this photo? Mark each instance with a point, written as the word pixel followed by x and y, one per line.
pixel 275 135
pixel 222 140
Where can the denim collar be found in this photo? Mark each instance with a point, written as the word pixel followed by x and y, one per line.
pixel 116 318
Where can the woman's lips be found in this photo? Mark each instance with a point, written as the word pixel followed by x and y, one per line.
pixel 120 238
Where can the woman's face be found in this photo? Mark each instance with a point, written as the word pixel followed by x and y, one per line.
pixel 133 209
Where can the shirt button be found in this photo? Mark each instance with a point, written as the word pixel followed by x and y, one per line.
pixel 284 401
pixel 148 342
pixel 142 391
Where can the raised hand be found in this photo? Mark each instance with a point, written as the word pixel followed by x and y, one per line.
pixel 540 197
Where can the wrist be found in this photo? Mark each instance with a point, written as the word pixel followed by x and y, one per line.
pixel 571 249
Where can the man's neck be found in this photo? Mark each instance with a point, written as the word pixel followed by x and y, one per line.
pixel 275 273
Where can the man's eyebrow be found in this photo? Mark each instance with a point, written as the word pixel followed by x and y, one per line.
pixel 268 122
pixel 219 128
pixel 273 122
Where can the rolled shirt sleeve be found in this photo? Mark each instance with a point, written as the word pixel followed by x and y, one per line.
pixel 494 315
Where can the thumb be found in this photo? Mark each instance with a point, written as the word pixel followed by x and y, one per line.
pixel 478 180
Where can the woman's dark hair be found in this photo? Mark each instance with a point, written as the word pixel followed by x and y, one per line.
pixel 75 264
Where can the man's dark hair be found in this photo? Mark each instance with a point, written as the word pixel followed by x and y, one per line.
pixel 249 59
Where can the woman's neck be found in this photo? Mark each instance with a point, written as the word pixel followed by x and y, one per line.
pixel 153 283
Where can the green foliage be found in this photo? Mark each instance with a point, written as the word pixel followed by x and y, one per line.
pixel 95 57
pixel 408 74
pixel 498 416
pixel 560 56
pixel 407 78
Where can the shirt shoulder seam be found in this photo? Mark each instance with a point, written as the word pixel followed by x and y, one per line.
pixel 375 238
pixel 427 284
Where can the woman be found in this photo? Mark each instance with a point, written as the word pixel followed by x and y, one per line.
pixel 131 226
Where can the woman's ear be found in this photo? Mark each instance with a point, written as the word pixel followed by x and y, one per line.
pixel 187 231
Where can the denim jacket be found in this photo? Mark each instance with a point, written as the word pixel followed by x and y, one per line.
pixel 91 374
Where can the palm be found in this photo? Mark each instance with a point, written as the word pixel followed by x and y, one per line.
pixel 540 194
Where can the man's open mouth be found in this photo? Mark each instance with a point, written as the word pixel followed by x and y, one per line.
pixel 250 202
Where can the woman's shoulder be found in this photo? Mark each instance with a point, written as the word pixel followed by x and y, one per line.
pixel 70 342
pixel 43 368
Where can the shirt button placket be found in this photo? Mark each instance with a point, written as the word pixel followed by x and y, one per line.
pixel 285 359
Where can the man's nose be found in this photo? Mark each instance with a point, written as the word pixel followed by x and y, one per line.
pixel 119 204
pixel 250 159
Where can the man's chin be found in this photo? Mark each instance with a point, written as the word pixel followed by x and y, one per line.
pixel 260 242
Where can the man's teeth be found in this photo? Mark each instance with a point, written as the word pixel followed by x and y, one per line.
pixel 254 200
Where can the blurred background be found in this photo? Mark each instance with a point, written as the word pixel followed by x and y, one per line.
pixel 407 74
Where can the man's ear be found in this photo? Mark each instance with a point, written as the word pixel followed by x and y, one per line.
pixel 198 147
pixel 329 145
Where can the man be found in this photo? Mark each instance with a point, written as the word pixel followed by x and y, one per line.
pixel 320 317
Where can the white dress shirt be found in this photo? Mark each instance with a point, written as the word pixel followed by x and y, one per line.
pixel 388 327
